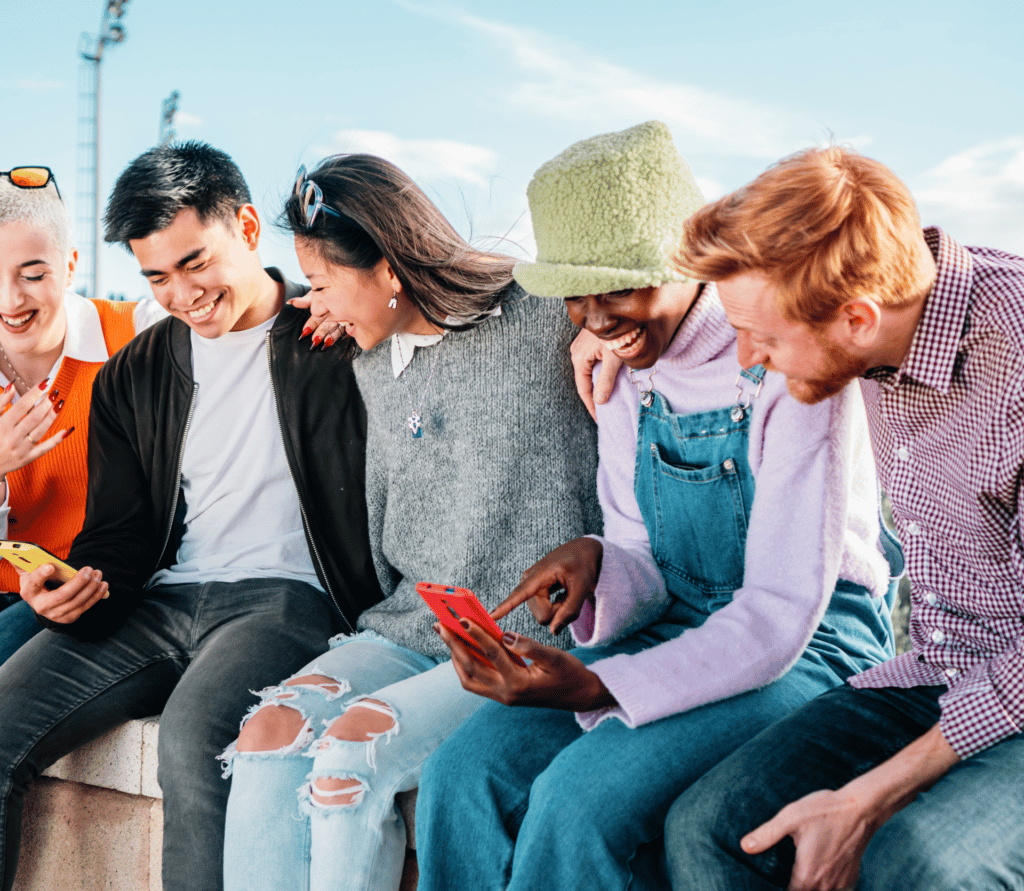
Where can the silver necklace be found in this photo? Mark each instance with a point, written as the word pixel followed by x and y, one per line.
pixel 414 422
pixel 17 377
pixel 646 396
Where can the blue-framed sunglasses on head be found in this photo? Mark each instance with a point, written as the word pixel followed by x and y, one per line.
pixel 31 177
pixel 311 199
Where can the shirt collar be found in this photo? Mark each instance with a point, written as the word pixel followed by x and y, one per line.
pixel 931 358
pixel 83 339
pixel 403 344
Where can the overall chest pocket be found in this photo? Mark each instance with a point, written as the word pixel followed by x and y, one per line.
pixel 699 532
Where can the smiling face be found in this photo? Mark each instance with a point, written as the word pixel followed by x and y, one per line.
pixel 34 273
pixel 815 360
pixel 358 299
pixel 208 274
pixel 637 326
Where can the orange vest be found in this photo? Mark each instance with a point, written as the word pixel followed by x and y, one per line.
pixel 47 497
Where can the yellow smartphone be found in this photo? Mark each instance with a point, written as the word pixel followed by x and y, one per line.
pixel 26 556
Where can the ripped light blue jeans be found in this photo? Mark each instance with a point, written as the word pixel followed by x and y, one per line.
pixel 278 835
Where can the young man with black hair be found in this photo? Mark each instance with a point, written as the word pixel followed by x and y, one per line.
pixel 225 535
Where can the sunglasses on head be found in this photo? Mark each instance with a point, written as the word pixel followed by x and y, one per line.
pixel 31 177
pixel 311 199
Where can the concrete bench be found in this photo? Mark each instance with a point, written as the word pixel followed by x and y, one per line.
pixel 94 820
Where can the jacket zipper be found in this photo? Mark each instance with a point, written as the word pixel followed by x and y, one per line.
pixel 177 478
pixel 298 494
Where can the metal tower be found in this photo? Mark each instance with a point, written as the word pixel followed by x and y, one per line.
pixel 90 48
pixel 168 110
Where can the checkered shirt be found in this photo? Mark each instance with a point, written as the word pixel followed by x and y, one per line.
pixel 948 434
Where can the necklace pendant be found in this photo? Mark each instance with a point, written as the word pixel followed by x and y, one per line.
pixel 415 425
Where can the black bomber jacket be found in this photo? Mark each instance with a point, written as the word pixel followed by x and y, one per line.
pixel 141 404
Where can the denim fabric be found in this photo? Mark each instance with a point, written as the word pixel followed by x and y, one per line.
pixel 694 488
pixel 552 807
pixel 278 839
pixel 18 625
pixel 966 833
pixel 192 652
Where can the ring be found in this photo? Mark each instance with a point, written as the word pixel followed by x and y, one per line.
pixel 31 440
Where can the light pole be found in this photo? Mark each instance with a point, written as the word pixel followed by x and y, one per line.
pixel 90 48
pixel 168 110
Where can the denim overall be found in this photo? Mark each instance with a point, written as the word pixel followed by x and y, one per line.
pixel 695 488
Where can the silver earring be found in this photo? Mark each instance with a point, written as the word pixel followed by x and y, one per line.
pixel 393 302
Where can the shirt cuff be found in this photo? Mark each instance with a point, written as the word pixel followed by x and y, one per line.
pixel 973 717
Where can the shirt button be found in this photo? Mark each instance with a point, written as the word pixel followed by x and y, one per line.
pixel 951 672
pixel 938 636
pixel 903 453
pixel 913 528
pixel 930 598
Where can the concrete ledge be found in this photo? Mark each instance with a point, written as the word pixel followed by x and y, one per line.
pixel 123 760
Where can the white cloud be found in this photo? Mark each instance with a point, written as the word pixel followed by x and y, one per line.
pixel 425 160
pixel 28 83
pixel 978 194
pixel 184 119
pixel 564 82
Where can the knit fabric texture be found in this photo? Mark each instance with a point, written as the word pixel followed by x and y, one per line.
pixel 47 497
pixel 504 473
pixel 608 214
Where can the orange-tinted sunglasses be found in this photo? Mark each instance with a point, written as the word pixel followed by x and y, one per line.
pixel 31 177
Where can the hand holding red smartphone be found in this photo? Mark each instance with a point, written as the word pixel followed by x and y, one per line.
pixel 450 604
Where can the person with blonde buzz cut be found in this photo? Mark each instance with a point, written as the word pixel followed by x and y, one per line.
pixel 909 775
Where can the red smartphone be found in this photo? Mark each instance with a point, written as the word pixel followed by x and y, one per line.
pixel 450 604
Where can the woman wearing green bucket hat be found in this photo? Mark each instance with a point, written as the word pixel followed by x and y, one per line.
pixel 740 573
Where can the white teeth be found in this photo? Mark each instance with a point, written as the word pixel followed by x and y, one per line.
pixel 198 315
pixel 18 321
pixel 627 340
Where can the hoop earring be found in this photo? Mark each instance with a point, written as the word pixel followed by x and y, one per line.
pixel 393 302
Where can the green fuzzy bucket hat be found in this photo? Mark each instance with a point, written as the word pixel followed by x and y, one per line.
pixel 608 214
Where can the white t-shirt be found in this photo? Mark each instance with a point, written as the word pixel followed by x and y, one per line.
pixel 242 513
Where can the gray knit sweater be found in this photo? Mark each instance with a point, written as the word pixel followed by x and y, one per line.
pixel 504 472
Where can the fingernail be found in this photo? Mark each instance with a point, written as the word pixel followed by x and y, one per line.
pixel 508 638
pixel 436 627
pixel 306 331
pixel 464 623
pixel 8 387
pixel 58 407
pixel 68 432
pixel 106 593
pixel 42 386
pixel 328 341
pixel 54 395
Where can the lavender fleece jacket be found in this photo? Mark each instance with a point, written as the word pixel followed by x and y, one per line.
pixel 813 521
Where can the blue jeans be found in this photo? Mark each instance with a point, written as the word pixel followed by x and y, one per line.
pixel 521 798
pixel 18 625
pixel 966 833
pixel 277 839
pixel 192 652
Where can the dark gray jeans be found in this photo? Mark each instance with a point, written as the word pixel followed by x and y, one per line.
pixel 192 653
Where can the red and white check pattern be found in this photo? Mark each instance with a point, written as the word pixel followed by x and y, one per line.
pixel 948 434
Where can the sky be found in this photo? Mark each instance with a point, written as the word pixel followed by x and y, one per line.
pixel 471 97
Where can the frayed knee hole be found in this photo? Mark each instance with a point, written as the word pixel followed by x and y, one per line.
pixel 331 792
pixel 322 681
pixel 270 728
pixel 363 721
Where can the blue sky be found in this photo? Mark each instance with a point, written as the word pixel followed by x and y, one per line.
pixel 471 97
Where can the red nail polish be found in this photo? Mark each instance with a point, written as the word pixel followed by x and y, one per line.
pixel 54 395
pixel 42 386
pixel 328 341
pixel 7 389
pixel 316 340
pixel 68 432
pixel 306 331
pixel 58 407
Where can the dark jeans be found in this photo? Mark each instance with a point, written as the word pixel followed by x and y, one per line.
pixel 190 652
pixel 966 832
pixel 18 625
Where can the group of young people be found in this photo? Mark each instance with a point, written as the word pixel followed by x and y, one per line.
pixel 695 684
